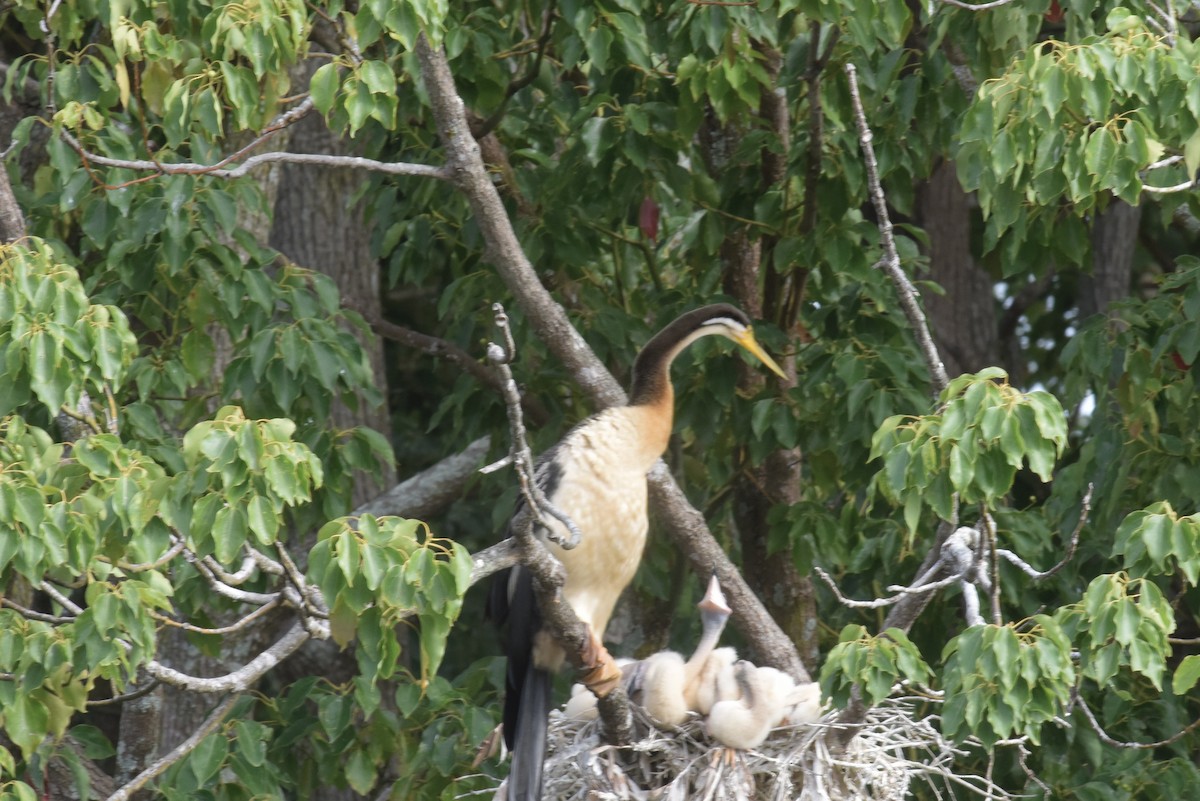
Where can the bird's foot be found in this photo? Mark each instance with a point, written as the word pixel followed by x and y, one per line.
pixel 601 672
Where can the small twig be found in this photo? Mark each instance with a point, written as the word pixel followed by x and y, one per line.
pixel 536 502
pixel 1107 739
pixel 546 571
pixel 238 626
pixel 60 599
pixel 890 262
pixel 32 615
pixel 514 86
pixel 171 553
pixel 1035 574
pixel 979 7
pixel 270 157
pixel 901 591
pixel 1166 190
pixel 87 419
pixel 145 689
pixel 179 752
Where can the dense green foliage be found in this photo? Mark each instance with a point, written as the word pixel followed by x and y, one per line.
pixel 167 380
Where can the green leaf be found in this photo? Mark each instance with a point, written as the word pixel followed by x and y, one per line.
pixel 1186 674
pixel 208 757
pixel 360 772
pixel 1156 533
pixel 1127 621
pixel 1191 153
pixel 261 517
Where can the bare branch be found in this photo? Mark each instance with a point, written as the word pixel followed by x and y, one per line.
pixel 241 576
pixel 490 561
pixel 32 615
pixel 59 598
pixel 890 262
pixel 443 349
pixel 258 160
pixel 171 553
pixel 179 752
pixel 536 502
pixel 979 7
pixel 233 593
pixel 1036 575
pixel 917 588
pixel 1167 190
pixel 238 626
pixel 1107 739
pixel 577 639
pixel 240 679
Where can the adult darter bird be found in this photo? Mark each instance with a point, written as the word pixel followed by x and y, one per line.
pixel 596 475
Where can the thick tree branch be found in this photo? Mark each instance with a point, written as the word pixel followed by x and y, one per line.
pixel 466 169
pixel 12 221
pixel 682 522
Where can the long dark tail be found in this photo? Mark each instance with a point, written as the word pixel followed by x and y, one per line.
pixel 527 689
pixel 530 716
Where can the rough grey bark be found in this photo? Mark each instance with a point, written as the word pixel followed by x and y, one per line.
pixel 964 318
pixel 1114 240
pixel 12 221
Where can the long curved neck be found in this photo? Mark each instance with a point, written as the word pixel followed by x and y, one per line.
pixel 651 384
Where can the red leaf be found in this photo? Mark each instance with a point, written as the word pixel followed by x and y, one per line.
pixel 648 218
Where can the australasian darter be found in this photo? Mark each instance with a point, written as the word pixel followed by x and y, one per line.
pixel 597 475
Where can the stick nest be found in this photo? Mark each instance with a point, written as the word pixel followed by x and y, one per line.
pixel 891 749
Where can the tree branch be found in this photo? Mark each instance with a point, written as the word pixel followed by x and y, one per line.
pixel 240 679
pixel 179 752
pixel 270 157
pixel 443 349
pixel 890 262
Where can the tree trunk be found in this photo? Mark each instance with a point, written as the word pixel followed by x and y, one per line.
pixel 1114 240
pixel 964 318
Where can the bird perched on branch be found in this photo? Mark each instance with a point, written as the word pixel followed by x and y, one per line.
pixel 597 475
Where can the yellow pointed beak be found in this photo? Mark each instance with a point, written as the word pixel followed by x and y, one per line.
pixel 746 340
